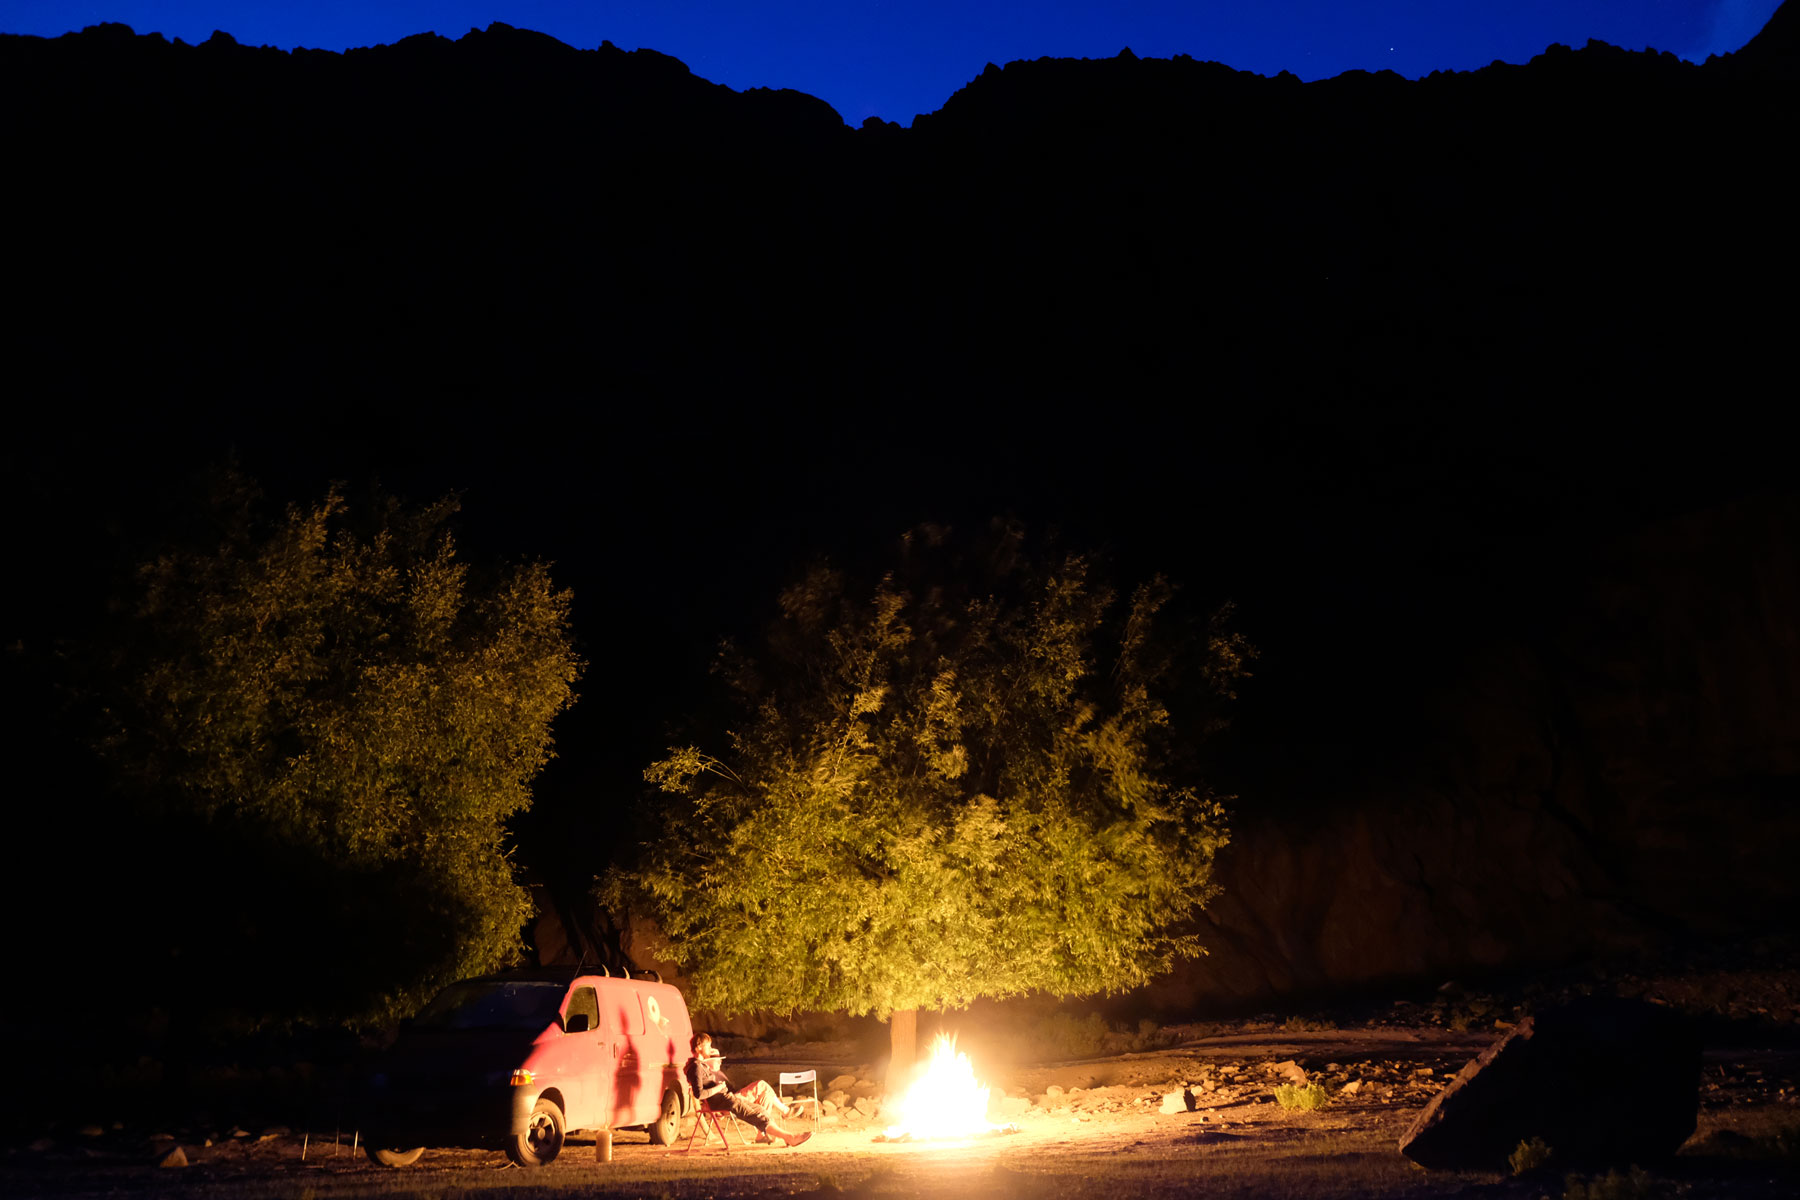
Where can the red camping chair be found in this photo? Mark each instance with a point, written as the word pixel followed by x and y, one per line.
pixel 717 1119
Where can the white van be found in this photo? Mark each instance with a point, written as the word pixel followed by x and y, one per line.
pixel 526 1057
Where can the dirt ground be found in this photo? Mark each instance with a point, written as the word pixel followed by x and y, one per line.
pixel 1093 1126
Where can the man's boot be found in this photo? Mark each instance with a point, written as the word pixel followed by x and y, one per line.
pixel 791 1138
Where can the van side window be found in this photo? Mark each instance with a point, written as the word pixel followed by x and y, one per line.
pixel 586 1003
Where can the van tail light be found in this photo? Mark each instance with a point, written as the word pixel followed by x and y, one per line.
pixel 522 1077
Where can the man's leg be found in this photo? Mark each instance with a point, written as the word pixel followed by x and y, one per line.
pixel 761 1093
pixel 750 1114
pixel 757 1117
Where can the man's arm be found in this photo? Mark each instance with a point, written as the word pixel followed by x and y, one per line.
pixel 707 1079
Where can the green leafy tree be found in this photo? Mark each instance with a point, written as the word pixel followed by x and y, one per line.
pixel 336 716
pixel 960 783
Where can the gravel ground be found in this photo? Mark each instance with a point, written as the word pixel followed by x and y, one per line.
pixel 1115 1125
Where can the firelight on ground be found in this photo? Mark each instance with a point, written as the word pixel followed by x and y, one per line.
pixel 945 1101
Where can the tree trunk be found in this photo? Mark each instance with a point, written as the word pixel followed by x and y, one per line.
pixel 903 1047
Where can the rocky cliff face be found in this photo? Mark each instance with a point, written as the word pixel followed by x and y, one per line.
pixel 1627 769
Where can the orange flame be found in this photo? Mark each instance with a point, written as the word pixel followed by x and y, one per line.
pixel 945 1101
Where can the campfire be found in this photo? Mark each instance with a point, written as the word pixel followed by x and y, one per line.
pixel 944 1101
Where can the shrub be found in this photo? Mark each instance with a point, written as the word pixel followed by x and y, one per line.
pixel 1150 1035
pixel 1301 1096
pixel 1066 1036
pixel 1529 1156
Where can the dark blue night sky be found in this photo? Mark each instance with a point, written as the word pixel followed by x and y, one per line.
pixel 895 58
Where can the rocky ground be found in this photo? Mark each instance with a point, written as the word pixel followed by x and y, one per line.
pixel 1197 1114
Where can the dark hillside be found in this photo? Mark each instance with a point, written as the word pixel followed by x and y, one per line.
pixel 506 203
pixel 1471 390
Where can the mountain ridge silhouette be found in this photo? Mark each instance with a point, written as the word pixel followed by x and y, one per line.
pixel 1771 52
pixel 507 198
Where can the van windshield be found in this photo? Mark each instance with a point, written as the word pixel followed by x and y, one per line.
pixel 524 1005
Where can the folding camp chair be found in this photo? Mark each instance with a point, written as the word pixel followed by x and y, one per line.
pixel 717 1119
pixel 797 1079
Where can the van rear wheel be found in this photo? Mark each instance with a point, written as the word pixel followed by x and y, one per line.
pixel 662 1130
pixel 542 1140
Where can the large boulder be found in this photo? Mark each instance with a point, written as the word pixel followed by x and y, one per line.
pixel 1601 1081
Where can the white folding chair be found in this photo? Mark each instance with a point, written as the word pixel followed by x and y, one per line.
pixel 797 1079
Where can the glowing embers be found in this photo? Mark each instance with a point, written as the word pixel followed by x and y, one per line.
pixel 945 1101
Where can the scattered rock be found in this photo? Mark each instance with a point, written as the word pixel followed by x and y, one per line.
pixel 1052 1091
pixel 1011 1106
pixel 865 1105
pixel 842 1083
pixel 90 1131
pixel 1174 1102
pixel 174 1157
pixel 277 1131
pixel 1603 1082
pixel 1351 1088
pixel 1291 1071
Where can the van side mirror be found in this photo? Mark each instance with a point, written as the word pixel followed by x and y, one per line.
pixel 578 1023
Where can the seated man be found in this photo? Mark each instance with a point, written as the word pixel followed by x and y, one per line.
pixel 751 1105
